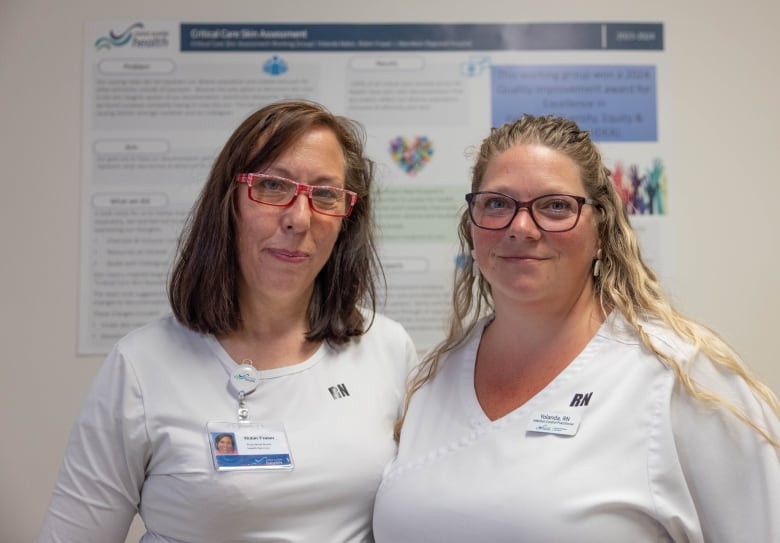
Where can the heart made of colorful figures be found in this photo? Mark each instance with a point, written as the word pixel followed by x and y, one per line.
pixel 411 156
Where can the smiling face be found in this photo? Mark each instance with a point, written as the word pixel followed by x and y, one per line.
pixel 523 264
pixel 225 445
pixel 282 249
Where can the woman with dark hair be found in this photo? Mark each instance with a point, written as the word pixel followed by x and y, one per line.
pixel 273 338
pixel 570 401
pixel 225 443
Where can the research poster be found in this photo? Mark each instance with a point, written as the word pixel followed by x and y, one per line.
pixel 161 98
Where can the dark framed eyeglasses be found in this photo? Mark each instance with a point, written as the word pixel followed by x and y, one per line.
pixel 550 212
pixel 278 191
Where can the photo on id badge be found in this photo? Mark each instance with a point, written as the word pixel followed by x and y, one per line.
pixel 224 443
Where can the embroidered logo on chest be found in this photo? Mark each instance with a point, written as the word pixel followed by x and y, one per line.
pixel 338 391
pixel 580 400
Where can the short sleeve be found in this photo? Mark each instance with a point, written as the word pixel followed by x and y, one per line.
pixel 733 473
pixel 97 493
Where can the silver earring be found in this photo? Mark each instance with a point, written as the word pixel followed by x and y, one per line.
pixel 597 265
pixel 474 264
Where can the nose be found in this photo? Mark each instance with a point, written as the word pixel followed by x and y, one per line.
pixel 297 217
pixel 524 224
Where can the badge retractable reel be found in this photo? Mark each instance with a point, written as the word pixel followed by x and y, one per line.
pixel 244 444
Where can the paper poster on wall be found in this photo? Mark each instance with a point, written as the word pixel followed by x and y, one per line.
pixel 161 97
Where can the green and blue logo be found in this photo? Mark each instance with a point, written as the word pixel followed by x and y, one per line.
pixel 117 40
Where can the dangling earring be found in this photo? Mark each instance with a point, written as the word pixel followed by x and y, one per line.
pixel 597 265
pixel 474 264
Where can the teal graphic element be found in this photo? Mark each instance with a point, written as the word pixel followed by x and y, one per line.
pixel 117 40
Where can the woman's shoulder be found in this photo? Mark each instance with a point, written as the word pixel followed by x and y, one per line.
pixel 378 323
pixel 164 349
pixel 162 334
pixel 164 324
pixel 725 379
pixel 385 338
pixel 661 336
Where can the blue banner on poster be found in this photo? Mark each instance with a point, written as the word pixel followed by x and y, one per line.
pixel 613 102
pixel 420 37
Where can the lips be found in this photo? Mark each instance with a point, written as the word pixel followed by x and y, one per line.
pixel 288 253
pixel 521 257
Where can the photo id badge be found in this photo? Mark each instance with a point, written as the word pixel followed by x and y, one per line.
pixel 249 446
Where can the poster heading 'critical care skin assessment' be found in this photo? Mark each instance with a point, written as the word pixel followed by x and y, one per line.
pixel 161 98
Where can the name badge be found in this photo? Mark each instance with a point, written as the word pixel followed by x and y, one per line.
pixel 558 422
pixel 249 446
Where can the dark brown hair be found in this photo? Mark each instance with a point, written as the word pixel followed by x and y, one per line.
pixel 203 287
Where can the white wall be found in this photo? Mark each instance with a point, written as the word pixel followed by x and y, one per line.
pixel 725 120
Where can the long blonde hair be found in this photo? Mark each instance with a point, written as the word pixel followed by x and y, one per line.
pixel 624 283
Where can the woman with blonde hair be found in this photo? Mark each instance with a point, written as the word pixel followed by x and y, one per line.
pixel 570 400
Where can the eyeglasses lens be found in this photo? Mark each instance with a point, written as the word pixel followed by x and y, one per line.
pixel 330 200
pixel 270 190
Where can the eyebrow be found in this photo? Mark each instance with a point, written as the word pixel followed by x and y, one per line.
pixel 509 190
